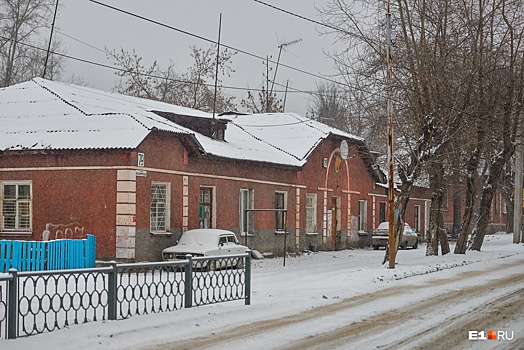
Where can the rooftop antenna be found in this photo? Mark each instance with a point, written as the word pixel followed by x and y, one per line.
pixel 280 47
pixel 50 39
pixel 216 69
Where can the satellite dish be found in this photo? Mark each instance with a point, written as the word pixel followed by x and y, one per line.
pixel 344 150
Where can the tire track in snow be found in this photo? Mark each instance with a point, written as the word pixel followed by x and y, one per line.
pixel 353 331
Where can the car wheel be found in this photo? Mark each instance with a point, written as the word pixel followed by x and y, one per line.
pixel 404 245
pixel 211 265
pixel 416 244
pixel 375 247
pixel 240 263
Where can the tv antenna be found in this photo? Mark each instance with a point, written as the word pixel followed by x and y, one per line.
pixel 280 47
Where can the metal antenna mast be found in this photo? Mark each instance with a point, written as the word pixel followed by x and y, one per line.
pixel 50 39
pixel 280 47
pixel 216 69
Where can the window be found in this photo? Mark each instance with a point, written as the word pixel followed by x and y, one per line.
pixel 159 207
pixel 311 213
pixel 16 206
pixel 417 218
pixel 205 214
pixel 280 215
pixel 362 215
pixel 246 201
pixel 382 212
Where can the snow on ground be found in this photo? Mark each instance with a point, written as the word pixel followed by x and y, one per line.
pixel 307 282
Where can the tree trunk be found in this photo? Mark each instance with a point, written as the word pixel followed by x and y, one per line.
pixel 436 222
pixel 490 188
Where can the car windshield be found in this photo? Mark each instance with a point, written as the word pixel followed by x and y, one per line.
pixel 198 238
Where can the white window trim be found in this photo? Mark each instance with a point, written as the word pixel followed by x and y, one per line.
pixel 251 205
pixel 362 215
pixel 285 215
pixel 315 213
pixel 16 231
pixel 168 209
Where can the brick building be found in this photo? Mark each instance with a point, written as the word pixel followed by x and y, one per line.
pixel 137 173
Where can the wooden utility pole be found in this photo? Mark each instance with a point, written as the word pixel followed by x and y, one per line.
pixel 392 249
pixel 517 203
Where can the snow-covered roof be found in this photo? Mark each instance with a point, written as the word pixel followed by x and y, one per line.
pixel 42 114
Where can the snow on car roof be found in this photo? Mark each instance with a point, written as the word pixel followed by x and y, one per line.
pixel 202 236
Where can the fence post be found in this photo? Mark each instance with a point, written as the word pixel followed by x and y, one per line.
pixel 188 287
pixel 112 291
pixel 248 278
pixel 12 305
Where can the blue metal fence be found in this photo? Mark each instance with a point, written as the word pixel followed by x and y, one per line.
pixel 50 255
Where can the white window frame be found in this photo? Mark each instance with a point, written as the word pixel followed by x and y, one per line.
pixel 155 227
pixel 362 215
pixel 280 215
pixel 17 227
pixel 246 222
pixel 311 213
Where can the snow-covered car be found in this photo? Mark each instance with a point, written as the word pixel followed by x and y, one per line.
pixel 207 242
pixel 381 236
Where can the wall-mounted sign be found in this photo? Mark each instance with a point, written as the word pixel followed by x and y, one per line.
pixel 141 173
pixel 344 150
pixel 140 159
pixel 324 162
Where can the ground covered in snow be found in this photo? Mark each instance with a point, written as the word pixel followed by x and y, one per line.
pixel 338 300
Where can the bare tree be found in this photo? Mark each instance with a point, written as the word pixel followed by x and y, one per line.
pixel 261 102
pixel 22 23
pixel 194 88
pixel 457 84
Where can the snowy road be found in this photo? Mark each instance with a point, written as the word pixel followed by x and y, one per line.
pixel 406 316
pixel 337 300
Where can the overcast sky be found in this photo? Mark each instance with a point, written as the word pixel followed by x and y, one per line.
pixel 246 25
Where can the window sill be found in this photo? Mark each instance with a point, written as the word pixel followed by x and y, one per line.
pixel 362 233
pixel 281 232
pixel 15 233
pixel 167 233
pixel 311 233
pixel 247 234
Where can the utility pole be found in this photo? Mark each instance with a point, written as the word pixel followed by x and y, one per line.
pixel 392 247
pixel 517 203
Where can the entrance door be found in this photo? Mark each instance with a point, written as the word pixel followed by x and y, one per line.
pixel 335 222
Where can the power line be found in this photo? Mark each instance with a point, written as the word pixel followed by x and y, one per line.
pixel 213 41
pixel 302 17
pixel 144 74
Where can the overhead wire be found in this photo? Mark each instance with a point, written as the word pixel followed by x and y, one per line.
pixel 214 42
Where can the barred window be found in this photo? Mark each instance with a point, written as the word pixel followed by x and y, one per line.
pixel 16 206
pixel 159 207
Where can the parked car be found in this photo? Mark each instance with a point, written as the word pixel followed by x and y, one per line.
pixel 381 236
pixel 207 242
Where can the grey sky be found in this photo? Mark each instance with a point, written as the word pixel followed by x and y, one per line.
pixel 246 25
